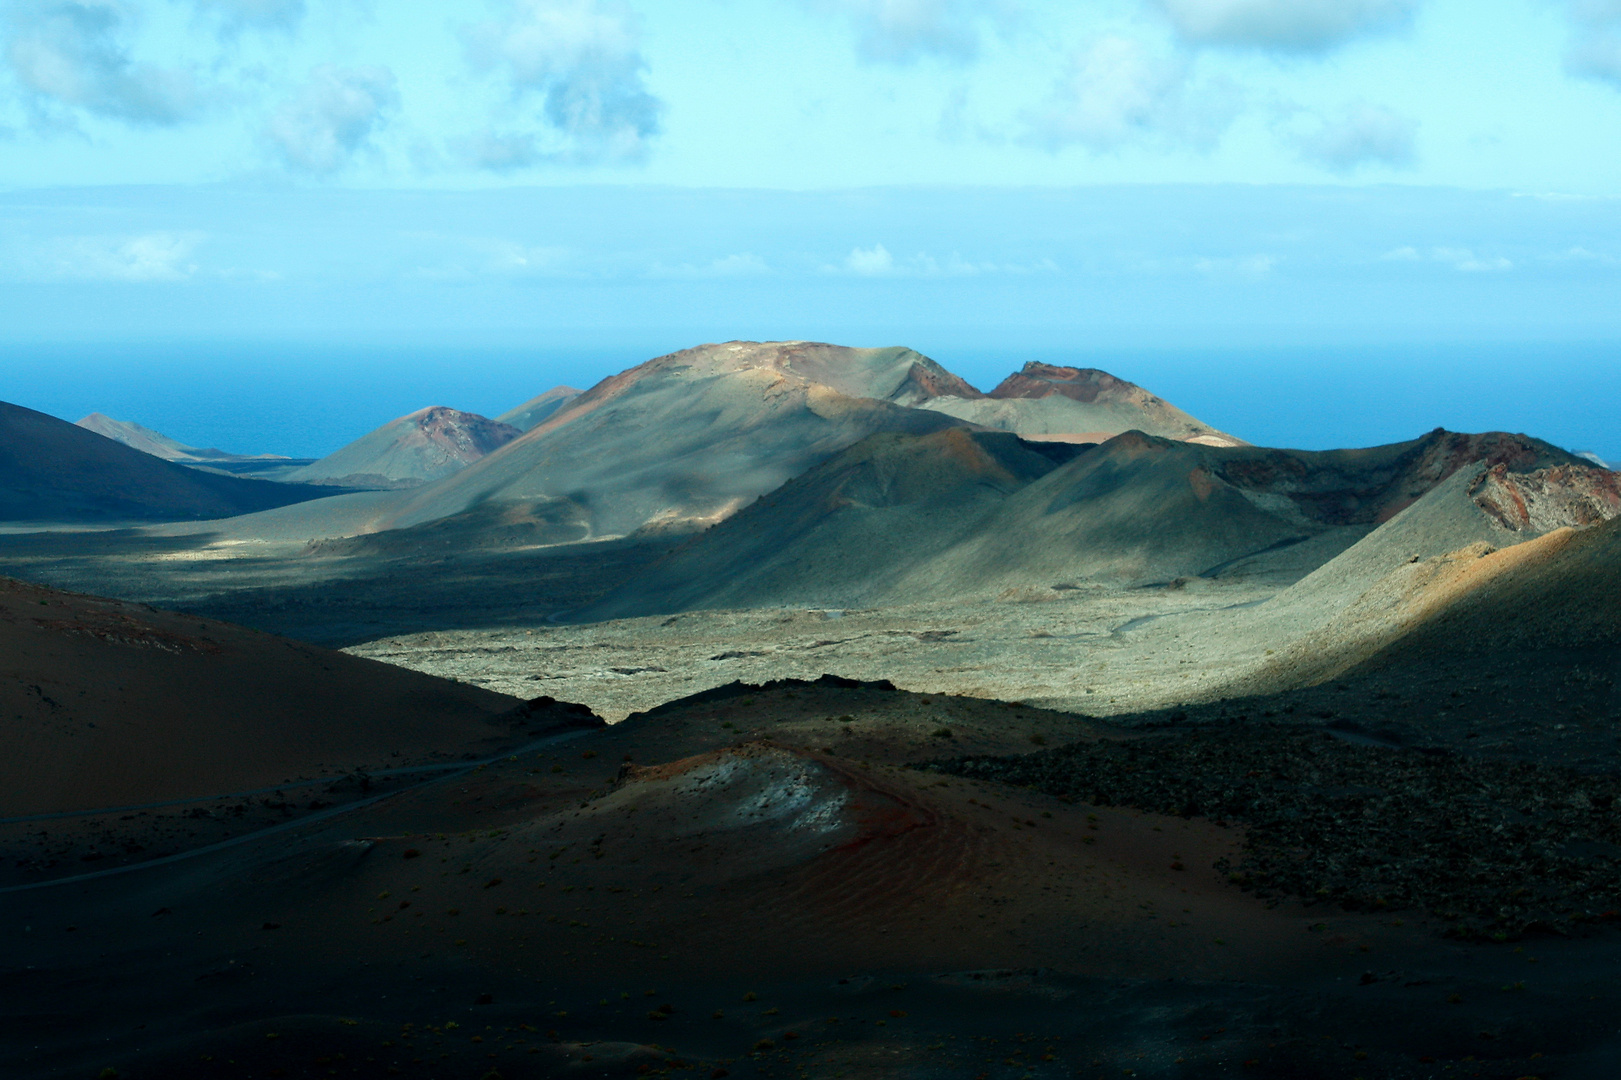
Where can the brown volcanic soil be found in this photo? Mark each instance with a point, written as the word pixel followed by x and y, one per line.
pixel 106 703
pixel 54 471
pixel 739 899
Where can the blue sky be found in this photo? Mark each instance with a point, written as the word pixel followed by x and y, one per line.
pixel 609 179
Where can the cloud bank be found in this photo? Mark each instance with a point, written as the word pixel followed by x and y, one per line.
pixel 71 56
pixel 332 117
pixel 1300 26
pixel 901 31
pixel 1595 48
pixel 1118 92
pixel 581 62
pixel 1362 134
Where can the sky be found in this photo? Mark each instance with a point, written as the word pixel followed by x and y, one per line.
pixel 571 185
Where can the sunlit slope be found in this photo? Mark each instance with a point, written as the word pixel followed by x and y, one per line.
pixel 1045 401
pixel 414 449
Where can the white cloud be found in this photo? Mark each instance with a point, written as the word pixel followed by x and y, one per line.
pixel 1362 134
pixel 1465 260
pixel 1283 25
pixel 877 261
pixel 69 55
pixel 332 117
pixel 1595 47
pixel 900 31
pixel 1117 92
pixel 136 258
pixel 581 60
pixel 870 262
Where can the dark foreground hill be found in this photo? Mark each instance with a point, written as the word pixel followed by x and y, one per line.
pixel 106 703
pixel 54 471
pixel 903 519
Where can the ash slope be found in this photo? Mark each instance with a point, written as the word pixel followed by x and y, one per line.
pixel 51 470
pixel 904 521
pixel 1045 401
pixel 109 703
pixel 537 409
pixel 426 445
pixel 160 445
pixel 687 438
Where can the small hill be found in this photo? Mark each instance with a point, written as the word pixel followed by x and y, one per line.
pixel 51 470
pixel 916 519
pixel 426 445
pixel 107 703
pixel 535 410
pixel 1067 404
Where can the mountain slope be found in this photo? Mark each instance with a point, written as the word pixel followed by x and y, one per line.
pixel 536 410
pixel 1135 510
pixel 1044 401
pixel 157 444
pixel 425 445
pixel 908 497
pixel 51 470
pixel 108 703
pixel 687 438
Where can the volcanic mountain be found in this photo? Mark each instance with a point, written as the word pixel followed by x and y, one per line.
pixel 426 445
pixel 51 470
pixel 901 520
pixel 685 439
pixel 108 703
pixel 1069 404
pixel 535 410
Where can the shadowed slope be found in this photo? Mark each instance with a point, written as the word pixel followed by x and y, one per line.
pixel 106 703
pixel 1136 509
pixel 51 470
pixel 425 445
pixel 846 529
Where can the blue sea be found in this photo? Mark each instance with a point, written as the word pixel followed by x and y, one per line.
pixel 306 400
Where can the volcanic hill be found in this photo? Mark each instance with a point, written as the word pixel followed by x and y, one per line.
pixel 423 446
pixel 1067 404
pixel 108 703
pixel 51 470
